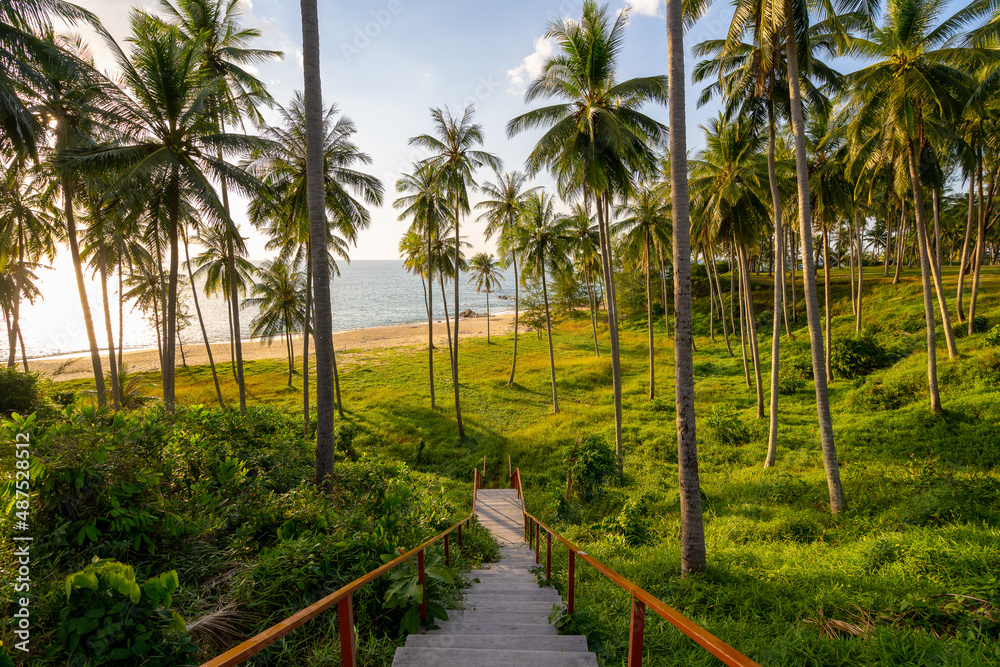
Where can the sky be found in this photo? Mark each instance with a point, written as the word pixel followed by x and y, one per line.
pixel 386 63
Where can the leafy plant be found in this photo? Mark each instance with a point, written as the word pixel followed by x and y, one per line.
pixel 591 462
pixel 406 593
pixel 727 426
pixel 19 392
pixel 112 620
pixel 993 337
pixel 860 354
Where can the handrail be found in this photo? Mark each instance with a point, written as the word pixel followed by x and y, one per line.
pixel 641 598
pixel 343 599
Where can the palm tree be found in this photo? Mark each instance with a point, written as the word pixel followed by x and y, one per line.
pixel 313 111
pixel 486 275
pixel 455 153
pixel 542 240
pixel 692 527
pixel 167 131
pixel 501 210
pixel 426 203
pixel 587 258
pixel 912 86
pixel 283 211
pixel 596 139
pixel 225 56
pixel 280 297
pixel 646 226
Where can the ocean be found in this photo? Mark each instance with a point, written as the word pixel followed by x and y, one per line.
pixel 368 293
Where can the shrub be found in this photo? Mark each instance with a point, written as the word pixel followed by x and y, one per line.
pixel 993 337
pixel 860 354
pixel 790 384
pixel 765 322
pixel 878 393
pixel 591 462
pixel 109 619
pixel 19 392
pixel 727 427
pixel 798 365
pixel 979 325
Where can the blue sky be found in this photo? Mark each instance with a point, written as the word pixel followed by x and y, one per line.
pixel 387 62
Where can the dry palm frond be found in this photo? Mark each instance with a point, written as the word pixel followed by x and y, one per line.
pixel 835 628
pixel 222 627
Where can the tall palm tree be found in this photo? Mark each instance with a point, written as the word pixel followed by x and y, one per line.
pixel 587 258
pixel 225 55
pixel 166 130
pixel 313 110
pixel 596 138
pixel 424 200
pixel 913 85
pixel 501 210
pixel 454 151
pixel 693 557
pixel 486 275
pixel 542 239
pixel 645 227
pixel 280 298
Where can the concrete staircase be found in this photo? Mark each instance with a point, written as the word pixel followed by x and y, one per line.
pixel 504 622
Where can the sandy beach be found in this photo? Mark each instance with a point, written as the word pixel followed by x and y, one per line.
pixel 77 366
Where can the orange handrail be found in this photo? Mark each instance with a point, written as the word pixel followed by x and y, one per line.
pixel 640 597
pixel 342 598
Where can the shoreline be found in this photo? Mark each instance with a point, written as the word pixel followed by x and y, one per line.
pixel 76 365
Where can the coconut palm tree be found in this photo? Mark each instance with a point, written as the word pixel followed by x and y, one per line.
pixel 504 200
pixel 587 258
pixel 486 275
pixel 280 297
pixel 596 138
pixel 913 85
pixel 454 151
pixel 645 227
pixel 542 240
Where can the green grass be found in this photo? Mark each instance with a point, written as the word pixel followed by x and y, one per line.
pixel 923 489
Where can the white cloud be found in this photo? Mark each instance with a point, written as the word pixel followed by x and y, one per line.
pixel 646 7
pixel 531 67
pixel 299 58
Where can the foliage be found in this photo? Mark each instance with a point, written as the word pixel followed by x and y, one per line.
pixel 591 462
pixel 727 427
pixel 860 354
pixel 19 392
pixel 993 337
pixel 405 592
pixel 110 619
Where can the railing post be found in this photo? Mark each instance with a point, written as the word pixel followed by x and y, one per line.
pixel 423 585
pixel 571 592
pixel 447 551
pixel 459 536
pixel 345 619
pixel 548 557
pixel 531 534
pixel 637 628
pixel 538 543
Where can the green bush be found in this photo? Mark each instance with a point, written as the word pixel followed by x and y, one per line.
pixel 109 619
pixel 993 337
pixel 860 354
pixel 790 384
pixel 19 392
pixel 877 393
pixel 591 462
pixel 727 427
pixel 979 325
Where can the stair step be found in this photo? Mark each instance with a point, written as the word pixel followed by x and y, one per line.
pixel 540 616
pixel 565 643
pixel 529 595
pixel 454 627
pixel 511 606
pixel 434 657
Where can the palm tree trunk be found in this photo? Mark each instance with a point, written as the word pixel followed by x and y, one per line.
pixel 430 316
pixel 861 269
pixel 837 500
pixel 713 270
pixel 900 242
pixel 121 317
pixel 112 365
pixel 784 287
pixel 24 352
pixel 936 204
pixel 980 249
pixel 159 330
pixel 517 306
pixel 313 104
pixel 752 333
pixel 14 323
pixel 447 322
pixel 552 357
pixel 663 291
pixel 592 301
pixel 201 322
pixel 826 295
pixel 305 341
pixel 336 382
pixel 850 259
pixel 959 313
pixel 291 355
pixel 918 205
pixel 741 300
pixel 232 345
pixel 611 305
pixel 949 334
pixel 168 372
pixel 234 297
pixel 779 285
pixel 88 320
pixel 487 317
pixel 649 325
pixel 693 558
pixel 794 249
pixel 454 356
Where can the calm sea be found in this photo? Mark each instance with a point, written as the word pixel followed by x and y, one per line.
pixel 367 294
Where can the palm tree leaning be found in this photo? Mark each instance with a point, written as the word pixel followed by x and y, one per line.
pixel 454 151
pixel 486 275
pixel 596 138
pixel 542 240
pixel 501 209
pixel 693 557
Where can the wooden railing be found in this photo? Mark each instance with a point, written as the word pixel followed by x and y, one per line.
pixel 342 599
pixel 641 599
